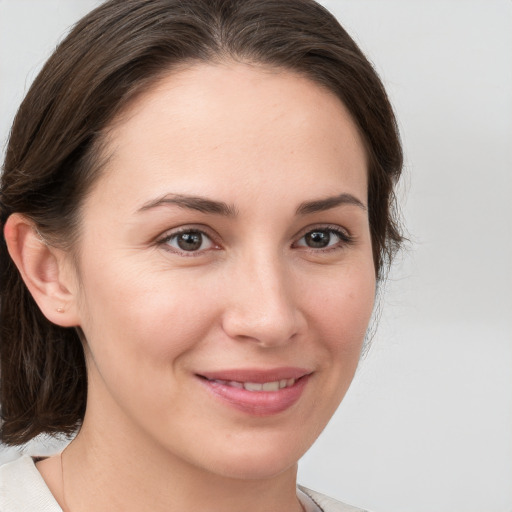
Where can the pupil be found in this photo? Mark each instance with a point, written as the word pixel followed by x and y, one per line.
pixel 318 239
pixel 190 241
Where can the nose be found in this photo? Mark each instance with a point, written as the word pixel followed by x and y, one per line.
pixel 262 305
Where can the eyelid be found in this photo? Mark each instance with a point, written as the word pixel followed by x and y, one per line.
pixel 163 239
pixel 346 238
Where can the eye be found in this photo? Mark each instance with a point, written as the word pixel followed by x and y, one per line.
pixel 190 240
pixel 323 238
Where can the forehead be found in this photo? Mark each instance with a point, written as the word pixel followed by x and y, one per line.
pixel 210 124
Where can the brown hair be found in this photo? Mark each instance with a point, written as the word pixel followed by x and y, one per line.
pixel 52 158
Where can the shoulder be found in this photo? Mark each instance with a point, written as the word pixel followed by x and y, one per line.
pixel 328 504
pixel 22 489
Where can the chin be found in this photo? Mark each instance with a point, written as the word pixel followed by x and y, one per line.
pixel 258 460
pixel 256 468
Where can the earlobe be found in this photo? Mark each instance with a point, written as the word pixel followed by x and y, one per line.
pixel 44 269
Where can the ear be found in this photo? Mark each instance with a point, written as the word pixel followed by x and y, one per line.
pixel 46 271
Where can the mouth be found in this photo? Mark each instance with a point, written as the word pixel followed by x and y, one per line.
pixel 257 392
pixel 257 387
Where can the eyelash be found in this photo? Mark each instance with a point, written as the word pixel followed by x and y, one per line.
pixel 190 230
pixel 345 239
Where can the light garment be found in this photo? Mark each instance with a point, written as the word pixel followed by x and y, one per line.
pixel 22 489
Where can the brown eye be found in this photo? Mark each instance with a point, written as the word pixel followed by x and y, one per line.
pixel 189 241
pixel 323 238
pixel 317 239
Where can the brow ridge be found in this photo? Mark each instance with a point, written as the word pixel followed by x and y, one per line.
pixel 197 203
pixel 320 205
pixel 205 205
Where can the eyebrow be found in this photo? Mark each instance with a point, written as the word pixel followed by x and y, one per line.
pixel 197 203
pixel 321 205
pixel 204 205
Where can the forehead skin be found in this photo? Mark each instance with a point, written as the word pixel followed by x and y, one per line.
pixel 198 120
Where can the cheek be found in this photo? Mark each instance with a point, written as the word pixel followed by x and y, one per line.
pixel 342 308
pixel 338 319
pixel 150 316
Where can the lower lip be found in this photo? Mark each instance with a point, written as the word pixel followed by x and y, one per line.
pixel 258 403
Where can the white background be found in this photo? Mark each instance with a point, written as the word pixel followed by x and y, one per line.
pixel 427 424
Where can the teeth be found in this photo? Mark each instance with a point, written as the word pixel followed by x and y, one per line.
pixel 256 386
pixel 253 386
pixel 269 386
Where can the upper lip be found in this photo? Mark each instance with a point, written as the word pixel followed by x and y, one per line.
pixel 256 375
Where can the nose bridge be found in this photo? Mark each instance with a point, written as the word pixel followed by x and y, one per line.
pixel 263 306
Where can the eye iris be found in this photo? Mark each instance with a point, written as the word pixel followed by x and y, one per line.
pixel 318 239
pixel 190 241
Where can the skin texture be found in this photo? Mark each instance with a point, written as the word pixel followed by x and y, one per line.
pixel 255 295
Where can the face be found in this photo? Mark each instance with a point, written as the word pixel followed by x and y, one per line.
pixel 226 272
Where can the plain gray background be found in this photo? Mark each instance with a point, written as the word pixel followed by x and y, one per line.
pixel 427 423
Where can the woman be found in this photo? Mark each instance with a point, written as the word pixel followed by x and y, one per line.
pixel 197 206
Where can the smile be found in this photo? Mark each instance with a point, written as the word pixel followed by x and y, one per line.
pixel 257 392
pixel 256 386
